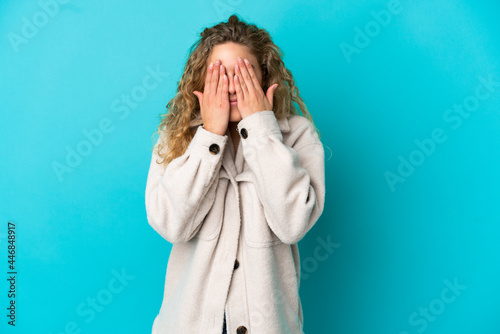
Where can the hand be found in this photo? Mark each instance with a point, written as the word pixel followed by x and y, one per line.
pixel 249 93
pixel 214 101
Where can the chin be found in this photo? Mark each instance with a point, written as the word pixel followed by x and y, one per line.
pixel 235 115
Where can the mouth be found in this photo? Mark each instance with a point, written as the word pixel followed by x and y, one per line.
pixel 233 101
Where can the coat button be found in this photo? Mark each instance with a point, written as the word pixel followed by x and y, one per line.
pixel 241 330
pixel 214 149
pixel 244 133
pixel 236 264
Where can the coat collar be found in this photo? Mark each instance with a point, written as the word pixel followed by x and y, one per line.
pixel 284 125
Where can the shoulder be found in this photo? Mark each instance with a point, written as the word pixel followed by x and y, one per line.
pixel 302 132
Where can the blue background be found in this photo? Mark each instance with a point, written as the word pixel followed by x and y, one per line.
pixel 395 246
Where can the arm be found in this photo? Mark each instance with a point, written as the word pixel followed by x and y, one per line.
pixel 179 196
pixel 290 182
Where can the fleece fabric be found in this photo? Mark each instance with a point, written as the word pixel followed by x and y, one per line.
pixel 234 223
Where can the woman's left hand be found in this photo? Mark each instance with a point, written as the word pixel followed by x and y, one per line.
pixel 249 93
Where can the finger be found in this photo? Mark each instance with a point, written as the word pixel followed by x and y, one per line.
pixel 198 95
pixel 208 78
pixel 225 87
pixel 215 78
pixel 237 87
pixel 221 77
pixel 270 93
pixel 251 75
pixel 241 80
pixel 246 77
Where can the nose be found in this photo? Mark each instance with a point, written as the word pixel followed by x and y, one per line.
pixel 230 78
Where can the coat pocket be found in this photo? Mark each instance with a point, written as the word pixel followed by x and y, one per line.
pixel 256 230
pixel 210 227
pixel 212 224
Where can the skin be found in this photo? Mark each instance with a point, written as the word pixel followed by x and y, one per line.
pixel 235 74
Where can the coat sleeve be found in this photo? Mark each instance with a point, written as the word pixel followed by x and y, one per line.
pixel 179 196
pixel 290 181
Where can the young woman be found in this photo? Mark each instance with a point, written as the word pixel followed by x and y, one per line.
pixel 240 182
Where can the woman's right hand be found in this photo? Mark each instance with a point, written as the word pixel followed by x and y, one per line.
pixel 214 101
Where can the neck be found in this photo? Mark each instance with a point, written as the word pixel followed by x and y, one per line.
pixel 232 128
pixel 235 137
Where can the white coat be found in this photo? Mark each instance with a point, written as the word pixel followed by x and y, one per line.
pixel 234 223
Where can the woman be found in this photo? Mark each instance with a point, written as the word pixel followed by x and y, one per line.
pixel 235 209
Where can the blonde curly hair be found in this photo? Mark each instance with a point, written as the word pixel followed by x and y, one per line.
pixel 178 126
